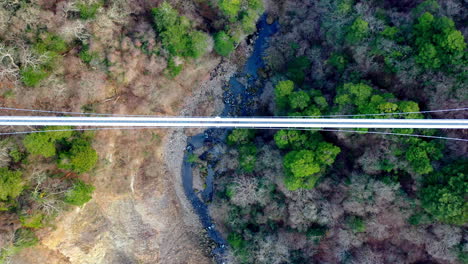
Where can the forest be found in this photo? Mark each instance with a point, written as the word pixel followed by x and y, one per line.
pixel 286 196
pixel 327 197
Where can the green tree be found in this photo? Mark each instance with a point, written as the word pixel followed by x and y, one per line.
pixel 419 155
pixel 297 140
pixel 299 100
pixel 327 152
pixel 177 34
pixel 390 32
pixel 79 194
pixel 81 157
pixel 247 157
pixel 198 42
pixel 338 61
pixel 282 91
pixel 256 5
pixel 284 88
pixel 426 6
pixel 444 194
pixel 43 143
pixel 40 144
pixel 357 31
pixel 224 45
pixel 437 42
pixel 11 184
pixel 240 136
pixel 248 21
pixel 301 163
pixel 296 69
pixel 230 8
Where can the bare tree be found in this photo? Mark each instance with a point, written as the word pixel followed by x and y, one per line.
pixel 8 67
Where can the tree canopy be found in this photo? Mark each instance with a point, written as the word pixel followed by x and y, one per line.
pixel 79 194
pixel 357 31
pixel 444 195
pixel 11 184
pixel 437 42
pixel 224 44
pixel 80 158
pixel 177 34
pixel 44 143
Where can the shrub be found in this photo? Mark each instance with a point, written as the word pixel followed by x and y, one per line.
pixel 239 246
pixel 87 56
pixel 32 221
pixel 89 11
pixel 51 43
pixel 224 45
pixel 192 158
pixel 81 157
pixel 16 155
pixel 247 157
pixel 11 184
pixel 25 238
pixel 32 77
pixel 357 31
pixel 50 46
pixel 356 224
pixel 316 232
pixel 79 194
pixel 172 69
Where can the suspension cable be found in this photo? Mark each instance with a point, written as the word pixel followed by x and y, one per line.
pixel 125 115
pixel 306 129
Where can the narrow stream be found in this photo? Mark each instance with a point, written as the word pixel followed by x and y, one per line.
pixel 239 96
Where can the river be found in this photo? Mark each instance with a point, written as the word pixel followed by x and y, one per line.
pixel 238 98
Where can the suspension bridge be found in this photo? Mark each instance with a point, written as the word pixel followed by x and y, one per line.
pixel 230 122
pixel 333 123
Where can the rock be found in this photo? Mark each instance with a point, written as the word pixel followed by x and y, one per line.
pixel 270 19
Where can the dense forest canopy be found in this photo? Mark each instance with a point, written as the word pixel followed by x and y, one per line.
pixel 354 197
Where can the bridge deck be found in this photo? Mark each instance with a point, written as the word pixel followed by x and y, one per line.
pixel 272 122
